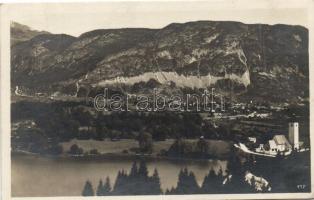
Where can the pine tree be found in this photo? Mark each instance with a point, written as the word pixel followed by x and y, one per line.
pixel 209 183
pixel 134 170
pixel 202 146
pixel 194 188
pixel 119 182
pixel 107 187
pixel 99 191
pixel 142 171
pixel 170 191
pixel 88 189
pixel 217 180
pixel 186 183
pixel 122 184
pixel 235 168
pixel 156 189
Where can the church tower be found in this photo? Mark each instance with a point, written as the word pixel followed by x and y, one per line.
pixel 294 134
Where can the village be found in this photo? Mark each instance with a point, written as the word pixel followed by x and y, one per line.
pixel 278 145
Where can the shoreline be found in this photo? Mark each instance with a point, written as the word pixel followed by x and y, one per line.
pixel 113 156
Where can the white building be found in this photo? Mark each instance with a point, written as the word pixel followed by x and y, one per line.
pixel 279 143
pixel 294 134
pixel 252 139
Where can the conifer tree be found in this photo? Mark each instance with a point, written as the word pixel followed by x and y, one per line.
pixel 213 183
pixel 194 188
pixel 88 189
pixel 99 191
pixel 143 171
pixel 156 188
pixel 107 187
pixel 186 183
pixel 120 180
pixel 134 170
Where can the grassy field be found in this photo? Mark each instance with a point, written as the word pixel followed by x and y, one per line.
pixel 217 147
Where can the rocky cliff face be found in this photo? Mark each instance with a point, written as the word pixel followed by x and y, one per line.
pixel 269 63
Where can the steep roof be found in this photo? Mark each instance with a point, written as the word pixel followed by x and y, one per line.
pixel 281 140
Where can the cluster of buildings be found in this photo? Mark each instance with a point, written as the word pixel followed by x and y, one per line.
pixel 280 144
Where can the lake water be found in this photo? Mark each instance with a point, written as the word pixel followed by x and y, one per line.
pixel 41 176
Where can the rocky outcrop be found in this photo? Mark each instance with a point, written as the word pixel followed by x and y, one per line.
pixel 267 62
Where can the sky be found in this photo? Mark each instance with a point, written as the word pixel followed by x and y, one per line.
pixel 77 18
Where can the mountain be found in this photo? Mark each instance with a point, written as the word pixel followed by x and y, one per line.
pixel 250 61
pixel 21 33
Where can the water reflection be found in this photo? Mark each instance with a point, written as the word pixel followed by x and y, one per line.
pixel 65 177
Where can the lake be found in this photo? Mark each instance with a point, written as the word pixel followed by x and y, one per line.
pixel 41 176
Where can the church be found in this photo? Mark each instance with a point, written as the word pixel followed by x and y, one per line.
pixel 280 143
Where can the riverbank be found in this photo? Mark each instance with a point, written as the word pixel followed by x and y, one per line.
pixel 217 148
pixel 125 149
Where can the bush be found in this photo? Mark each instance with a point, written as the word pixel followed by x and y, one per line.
pixel 94 152
pixel 75 150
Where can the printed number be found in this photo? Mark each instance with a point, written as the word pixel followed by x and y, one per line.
pixel 301 187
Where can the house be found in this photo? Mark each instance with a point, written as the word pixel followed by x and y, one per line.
pixel 279 143
pixel 86 129
pixel 83 128
pixel 272 146
pixel 252 139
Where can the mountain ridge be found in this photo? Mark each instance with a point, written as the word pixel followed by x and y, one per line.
pixel 271 55
pixel 21 33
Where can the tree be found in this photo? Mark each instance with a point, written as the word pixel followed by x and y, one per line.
pixel 88 189
pixel 212 183
pixel 94 152
pixel 71 129
pixel 160 133
pixel 115 134
pixel 171 191
pixel 101 129
pixel 209 182
pixel 182 148
pixel 142 170
pixel 186 183
pixel 99 191
pixel 194 187
pixel 107 187
pixel 134 170
pixel 121 183
pixel 202 146
pixel 145 142
pixel 155 188
pixel 237 184
pixel 75 150
pixel 137 182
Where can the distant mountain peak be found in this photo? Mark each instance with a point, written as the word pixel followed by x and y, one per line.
pixel 21 32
